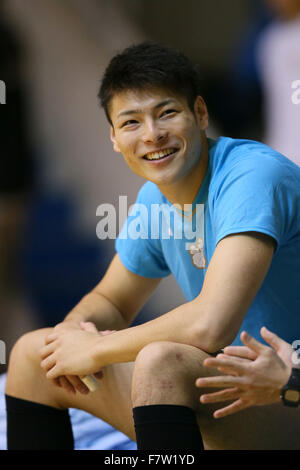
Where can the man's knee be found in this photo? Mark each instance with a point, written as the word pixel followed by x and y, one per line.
pixel 25 377
pixel 166 371
pixel 26 349
pixel 158 356
pixel 154 355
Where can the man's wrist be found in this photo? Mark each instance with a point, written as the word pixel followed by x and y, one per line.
pixel 100 352
pixel 290 393
pixel 113 348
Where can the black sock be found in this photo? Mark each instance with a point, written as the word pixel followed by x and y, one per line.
pixel 169 427
pixel 32 426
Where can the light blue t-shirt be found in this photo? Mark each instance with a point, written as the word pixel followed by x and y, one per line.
pixel 247 187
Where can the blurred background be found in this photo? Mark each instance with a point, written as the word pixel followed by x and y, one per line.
pixel 57 162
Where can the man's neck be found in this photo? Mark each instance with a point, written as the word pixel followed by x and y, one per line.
pixel 185 190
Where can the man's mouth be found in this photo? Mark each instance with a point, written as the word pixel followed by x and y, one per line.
pixel 159 155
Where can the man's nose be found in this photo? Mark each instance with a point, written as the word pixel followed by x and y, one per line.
pixel 153 133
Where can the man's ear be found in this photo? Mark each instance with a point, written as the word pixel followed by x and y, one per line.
pixel 113 139
pixel 201 113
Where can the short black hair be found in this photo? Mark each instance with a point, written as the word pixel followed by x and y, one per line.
pixel 148 65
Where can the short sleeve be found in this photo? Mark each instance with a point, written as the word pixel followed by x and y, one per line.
pixel 138 252
pixel 252 196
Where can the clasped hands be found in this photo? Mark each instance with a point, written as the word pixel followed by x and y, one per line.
pixel 68 354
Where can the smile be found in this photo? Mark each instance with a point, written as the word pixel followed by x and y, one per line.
pixel 160 155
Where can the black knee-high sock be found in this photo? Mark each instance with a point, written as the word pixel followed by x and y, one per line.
pixel 169 427
pixel 32 426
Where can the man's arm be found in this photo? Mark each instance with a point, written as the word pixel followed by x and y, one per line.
pixel 234 276
pixel 116 300
pixel 96 311
pixel 210 322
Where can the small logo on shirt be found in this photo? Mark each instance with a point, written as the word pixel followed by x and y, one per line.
pixel 196 250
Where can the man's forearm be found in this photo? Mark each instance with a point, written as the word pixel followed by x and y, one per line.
pixel 180 325
pixel 96 308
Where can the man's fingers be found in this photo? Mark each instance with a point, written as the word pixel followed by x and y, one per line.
pixel 219 382
pixel 232 363
pixel 53 373
pixel 240 351
pixel 48 363
pixel 91 327
pixel 222 395
pixel 235 407
pixel 228 371
pixel 75 381
pixel 45 351
pixel 50 338
pixel 251 343
pixel 235 359
pixel 71 383
pixel 272 339
pixel 65 384
pixel 88 326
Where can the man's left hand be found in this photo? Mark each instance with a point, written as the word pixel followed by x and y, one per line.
pixel 70 353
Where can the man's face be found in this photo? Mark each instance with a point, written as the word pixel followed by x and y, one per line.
pixel 157 133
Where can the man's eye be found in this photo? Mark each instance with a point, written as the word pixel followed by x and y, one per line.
pixel 168 111
pixel 129 122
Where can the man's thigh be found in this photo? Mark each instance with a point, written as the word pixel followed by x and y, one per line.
pixel 272 427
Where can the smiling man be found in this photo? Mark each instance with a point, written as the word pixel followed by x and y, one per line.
pixel 239 272
pixel 174 159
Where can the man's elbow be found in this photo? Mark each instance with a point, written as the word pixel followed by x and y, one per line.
pixel 212 341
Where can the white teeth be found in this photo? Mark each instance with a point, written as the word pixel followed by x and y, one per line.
pixel 158 155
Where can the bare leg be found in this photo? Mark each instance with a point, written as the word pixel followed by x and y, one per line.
pixel 26 380
pixel 165 373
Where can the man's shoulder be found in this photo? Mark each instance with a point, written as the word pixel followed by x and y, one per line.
pixel 149 192
pixel 231 147
pixel 240 154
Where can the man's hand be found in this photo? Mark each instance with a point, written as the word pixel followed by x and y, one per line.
pixel 255 373
pixel 70 383
pixel 89 326
pixel 70 352
pixel 73 383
